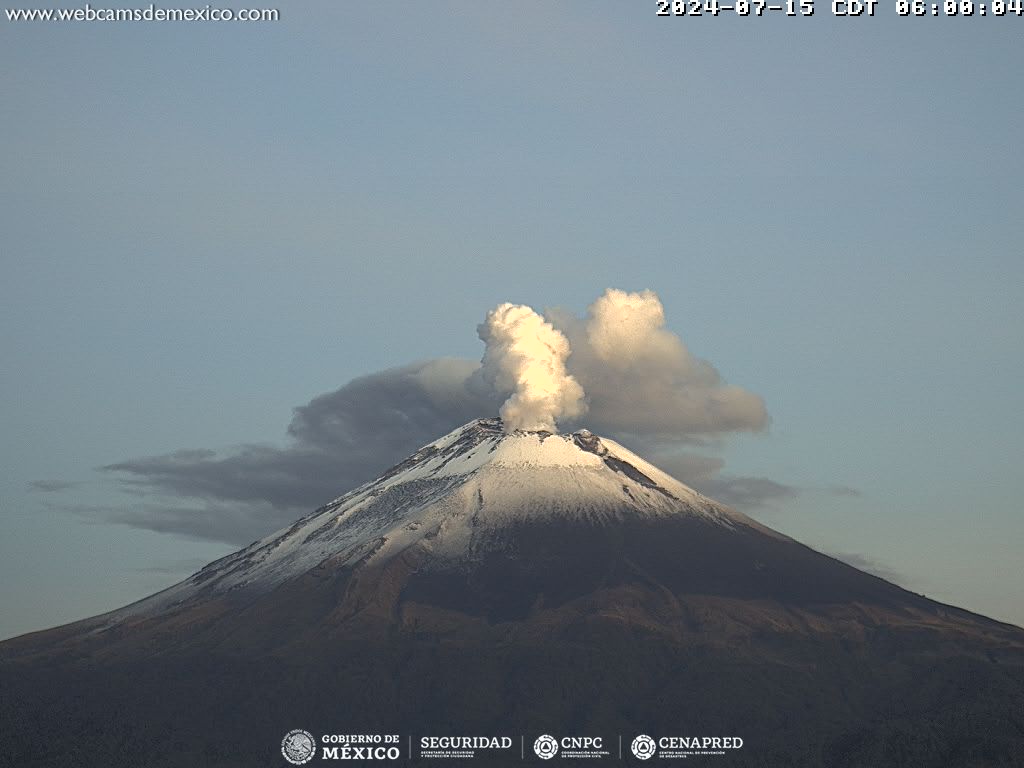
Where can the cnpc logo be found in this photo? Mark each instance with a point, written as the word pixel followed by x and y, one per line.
pixel 547 746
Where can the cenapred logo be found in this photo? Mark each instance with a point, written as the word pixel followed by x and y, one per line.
pixel 546 747
pixel 682 747
pixel 298 747
pixel 644 747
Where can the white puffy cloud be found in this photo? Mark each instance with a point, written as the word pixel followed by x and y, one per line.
pixel 641 379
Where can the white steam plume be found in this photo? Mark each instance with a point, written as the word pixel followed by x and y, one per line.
pixel 526 356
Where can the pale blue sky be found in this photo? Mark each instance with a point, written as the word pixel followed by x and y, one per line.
pixel 204 226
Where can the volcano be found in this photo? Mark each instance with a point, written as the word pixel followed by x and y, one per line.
pixel 514 583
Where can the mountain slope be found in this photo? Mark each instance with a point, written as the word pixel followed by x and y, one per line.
pixel 545 581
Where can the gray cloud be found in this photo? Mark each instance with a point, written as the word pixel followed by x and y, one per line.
pixel 747 492
pixel 690 468
pixel 337 445
pixel 244 495
pixel 844 490
pixel 338 441
pixel 52 486
pixel 869 565
pixel 176 567
pixel 703 473
pixel 232 523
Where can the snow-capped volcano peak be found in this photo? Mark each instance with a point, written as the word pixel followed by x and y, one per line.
pixel 452 495
pixel 535 473
pixel 483 442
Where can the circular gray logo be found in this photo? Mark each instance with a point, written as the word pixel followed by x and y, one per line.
pixel 298 747
pixel 546 747
pixel 644 747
